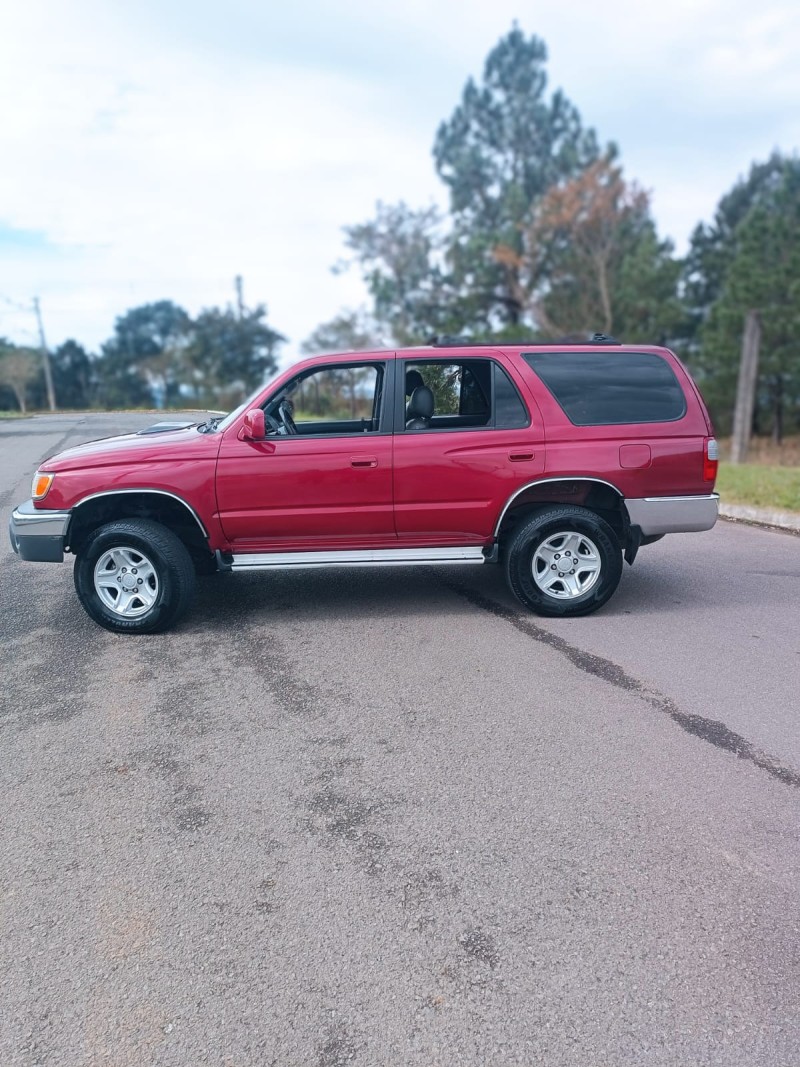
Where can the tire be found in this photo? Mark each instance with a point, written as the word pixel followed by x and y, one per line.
pixel 134 576
pixel 564 533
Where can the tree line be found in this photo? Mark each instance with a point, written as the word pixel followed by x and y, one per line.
pixel 544 237
pixel 158 356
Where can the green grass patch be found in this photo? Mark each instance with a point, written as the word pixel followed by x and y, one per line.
pixel 760 486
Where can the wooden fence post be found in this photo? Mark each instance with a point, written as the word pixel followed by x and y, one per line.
pixel 746 389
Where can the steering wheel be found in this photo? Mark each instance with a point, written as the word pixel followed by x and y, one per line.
pixel 285 412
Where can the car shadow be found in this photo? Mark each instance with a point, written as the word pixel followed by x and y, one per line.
pixel 343 592
pixel 653 587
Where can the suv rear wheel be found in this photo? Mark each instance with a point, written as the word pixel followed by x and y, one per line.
pixel 564 561
pixel 134 576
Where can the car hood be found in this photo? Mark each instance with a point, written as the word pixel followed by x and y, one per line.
pixel 135 447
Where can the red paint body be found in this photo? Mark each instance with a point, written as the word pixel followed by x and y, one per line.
pixel 389 489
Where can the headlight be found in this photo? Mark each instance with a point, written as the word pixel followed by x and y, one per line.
pixel 41 485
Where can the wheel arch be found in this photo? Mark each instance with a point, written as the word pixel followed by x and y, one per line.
pixel 169 509
pixel 596 494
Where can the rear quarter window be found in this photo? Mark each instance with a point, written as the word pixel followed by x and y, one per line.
pixel 610 388
pixel 509 411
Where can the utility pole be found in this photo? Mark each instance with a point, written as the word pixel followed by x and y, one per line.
pixel 239 296
pixel 746 389
pixel 48 373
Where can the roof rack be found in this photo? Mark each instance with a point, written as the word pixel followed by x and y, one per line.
pixel 447 341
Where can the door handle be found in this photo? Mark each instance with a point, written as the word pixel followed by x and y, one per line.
pixel 520 457
pixel 363 461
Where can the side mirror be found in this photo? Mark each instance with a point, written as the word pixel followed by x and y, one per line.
pixel 254 428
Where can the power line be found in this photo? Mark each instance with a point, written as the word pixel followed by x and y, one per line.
pixel 15 304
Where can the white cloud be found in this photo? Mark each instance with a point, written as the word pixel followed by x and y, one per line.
pixel 163 150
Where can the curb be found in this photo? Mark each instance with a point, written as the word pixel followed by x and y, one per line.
pixel 780 521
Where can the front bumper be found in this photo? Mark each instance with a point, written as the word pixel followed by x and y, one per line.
pixel 38 536
pixel 656 515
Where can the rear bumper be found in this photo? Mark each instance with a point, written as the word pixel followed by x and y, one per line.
pixel 656 515
pixel 38 536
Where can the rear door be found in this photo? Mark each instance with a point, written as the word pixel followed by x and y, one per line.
pixel 452 477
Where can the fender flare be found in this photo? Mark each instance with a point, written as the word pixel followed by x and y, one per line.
pixel 544 481
pixel 142 490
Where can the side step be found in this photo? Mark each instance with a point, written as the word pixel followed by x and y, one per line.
pixel 362 557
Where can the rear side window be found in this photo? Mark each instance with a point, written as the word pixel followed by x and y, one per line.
pixel 609 388
pixel 467 395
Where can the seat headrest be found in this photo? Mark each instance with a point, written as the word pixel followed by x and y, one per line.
pixel 421 405
pixel 413 380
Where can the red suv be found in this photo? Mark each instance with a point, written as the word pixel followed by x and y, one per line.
pixel 556 461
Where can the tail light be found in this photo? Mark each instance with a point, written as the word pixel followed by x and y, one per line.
pixel 710 460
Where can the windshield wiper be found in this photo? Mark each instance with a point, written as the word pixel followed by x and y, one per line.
pixel 210 425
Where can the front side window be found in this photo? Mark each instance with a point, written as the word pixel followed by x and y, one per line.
pixel 610 388
pixel 337 399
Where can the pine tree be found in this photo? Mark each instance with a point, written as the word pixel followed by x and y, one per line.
pixel 503 147
pixel 762 275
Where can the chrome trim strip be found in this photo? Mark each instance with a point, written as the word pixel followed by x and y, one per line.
pixel 366 557
pixel 673 514
pixel 544 481
pixel 691 496
pixel 32 521
pixel 159 492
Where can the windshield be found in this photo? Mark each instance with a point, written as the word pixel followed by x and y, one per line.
pixel 245 404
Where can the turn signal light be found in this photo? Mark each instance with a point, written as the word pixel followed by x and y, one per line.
pixel 41 484
pixel 710 460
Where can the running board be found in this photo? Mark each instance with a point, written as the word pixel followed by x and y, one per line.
pixel 362 557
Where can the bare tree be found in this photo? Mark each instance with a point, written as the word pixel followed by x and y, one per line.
pixel 19 367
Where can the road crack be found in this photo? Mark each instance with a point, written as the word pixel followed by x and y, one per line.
pixel 710 730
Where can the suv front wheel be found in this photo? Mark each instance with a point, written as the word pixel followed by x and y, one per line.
pixel 134 576
pixel 564 561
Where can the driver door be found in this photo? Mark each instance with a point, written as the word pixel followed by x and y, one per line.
pixel 322 477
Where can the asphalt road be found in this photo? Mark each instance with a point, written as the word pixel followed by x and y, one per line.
pixel 386 817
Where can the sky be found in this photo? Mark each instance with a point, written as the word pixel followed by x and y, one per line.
pixel 155 151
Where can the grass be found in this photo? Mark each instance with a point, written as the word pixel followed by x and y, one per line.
pixel 764 451
pixel 760 485
pixel 769 479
